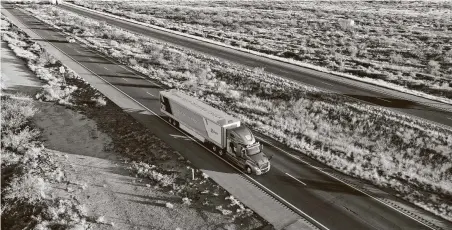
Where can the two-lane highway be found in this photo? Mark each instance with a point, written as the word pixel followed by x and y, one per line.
pixel 394 100
pixel 324 201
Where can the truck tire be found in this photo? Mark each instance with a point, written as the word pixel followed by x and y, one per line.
pixel 221 152
pixel 248 170
pixel 175 123
pixel 214 148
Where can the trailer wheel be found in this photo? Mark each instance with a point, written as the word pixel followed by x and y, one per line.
pixel 248 170
pixel 221 152
pixel 170 120
pixel 214 148
pixel 175 123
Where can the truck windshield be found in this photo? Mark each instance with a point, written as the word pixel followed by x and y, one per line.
pixel 253 150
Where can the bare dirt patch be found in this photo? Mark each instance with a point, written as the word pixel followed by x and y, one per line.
pixel 388 149
pixel 83 176
pixel 112 192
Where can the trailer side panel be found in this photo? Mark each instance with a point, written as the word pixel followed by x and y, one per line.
pixel 204 127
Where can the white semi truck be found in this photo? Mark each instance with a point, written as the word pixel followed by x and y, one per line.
pixel 219 131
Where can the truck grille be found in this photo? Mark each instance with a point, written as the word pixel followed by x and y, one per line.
pixel 264 167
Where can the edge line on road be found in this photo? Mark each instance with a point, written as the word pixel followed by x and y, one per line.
pixel 248 177
pixel 379 98
pixel 296 81
pixel 260 55
pixel 271 193
pixel 295 178
pixel 327 83
pixel 357 189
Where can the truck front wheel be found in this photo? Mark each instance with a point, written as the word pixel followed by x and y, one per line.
pixel 248 170
pixel 175 123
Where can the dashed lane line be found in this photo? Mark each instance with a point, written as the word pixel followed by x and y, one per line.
pixel 297 210
pixel 295 179
pixel 326 83
pixel 357 189
pixel 379 98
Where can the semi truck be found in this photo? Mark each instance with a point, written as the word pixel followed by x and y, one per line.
pixel 217 130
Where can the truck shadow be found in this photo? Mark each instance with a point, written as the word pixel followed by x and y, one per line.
pixel 197 153
pixel 386 101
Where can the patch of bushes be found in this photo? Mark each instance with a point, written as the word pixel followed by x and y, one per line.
pixel 27 169
pixel 354 138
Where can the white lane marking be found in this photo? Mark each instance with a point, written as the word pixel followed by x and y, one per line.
pixel 222 158
pixel 77 51
pixel 295 178
pixel 450 118
pixel 384 99
pixel 282 200
pixel 284 71
pixel 183 137
pixel 357 189
pixel 105 68
pixel 152 82
pixel 342 81
pixel 327 83
pixel 150 93
pixel 124 79
pixel 276 147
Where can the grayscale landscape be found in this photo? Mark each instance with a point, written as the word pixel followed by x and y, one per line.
pixel 109 111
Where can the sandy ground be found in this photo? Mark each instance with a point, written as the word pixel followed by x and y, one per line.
pixel 99 178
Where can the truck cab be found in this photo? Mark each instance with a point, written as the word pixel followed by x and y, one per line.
pixel 245 151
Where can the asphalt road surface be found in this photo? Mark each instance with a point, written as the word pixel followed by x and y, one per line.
pixel 326 200
pixel 397 101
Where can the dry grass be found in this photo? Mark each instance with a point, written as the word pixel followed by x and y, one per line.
pixel 131 139
pixel 27 168
pixel 16 113
pixel 403 43
pixel 387 149
pixel 46 67
pixel 27 171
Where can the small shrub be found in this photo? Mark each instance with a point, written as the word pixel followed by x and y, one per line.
pixel 353 50
pixel 14 140
pixel 433 67
pixel 29 188
pixel 101 220
pixel 100 101
pixel 114 43
pixel 16 111
pixel 396 58
pixel 133 61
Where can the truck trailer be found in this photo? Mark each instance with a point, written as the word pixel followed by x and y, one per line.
pixel 219 131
